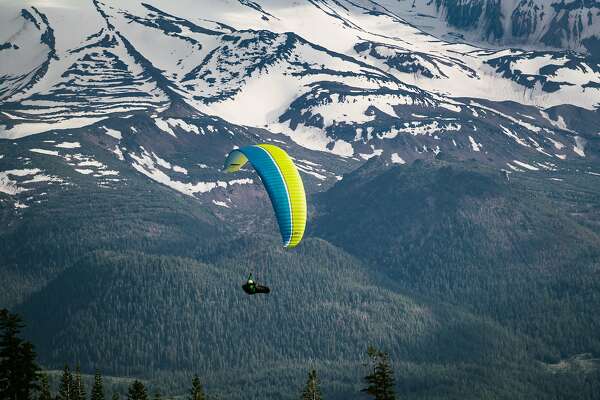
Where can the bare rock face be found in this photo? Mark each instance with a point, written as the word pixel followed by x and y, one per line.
pixel 570 25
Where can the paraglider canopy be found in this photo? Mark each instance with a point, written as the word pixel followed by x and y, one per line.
pixel 282 182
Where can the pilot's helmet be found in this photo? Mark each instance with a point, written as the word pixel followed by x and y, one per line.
pixel 250 281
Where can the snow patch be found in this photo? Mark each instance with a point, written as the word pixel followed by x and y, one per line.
pixel 163 163
pixel 27 129
pixel 11 186
pixel 524 124
pixel 84 171
pixel 514 168
pixel 307 171
pixel 513 136
pixel 559 123
pixel 146 165
pixel 396 159
pixel 113 133
pixel 90 163
pixel 43 151
pixel 474 145
pixel 557 145
pixel 579 147
pixel 377 152
pixel 242 181
pixel 179 169
pixel 68 145
pixel 420 128
pixel 183 125
pixel 108 172
pixel 117 151
pixel 526 166
pixel 163 125
pixel 317 139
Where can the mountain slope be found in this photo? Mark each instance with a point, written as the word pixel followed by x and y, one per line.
pixel 534 23
pixel 359 82
pixel 514 250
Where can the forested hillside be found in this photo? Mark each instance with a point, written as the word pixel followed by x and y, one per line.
pixel 523 250
pixel 477 286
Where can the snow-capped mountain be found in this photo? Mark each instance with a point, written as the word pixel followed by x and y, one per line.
pixel 565 24
pixel 163 90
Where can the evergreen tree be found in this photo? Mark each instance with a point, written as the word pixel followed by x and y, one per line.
pixel 137 391
pixel 197 392
pixel 79 389
pixel 380 382
pixel 44 388
pixel 66 387
pixel 386 374
pixel 97 388
pixel 18 369
pixel 311 390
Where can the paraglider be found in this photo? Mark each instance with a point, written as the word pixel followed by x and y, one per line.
pixel 250 287
pixel 284 185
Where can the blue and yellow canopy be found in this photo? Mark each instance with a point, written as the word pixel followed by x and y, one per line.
pixel 283 183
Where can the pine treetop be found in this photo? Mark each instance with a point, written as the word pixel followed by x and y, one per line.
pixel 197 391
pixel 79 388
pixel 311 390
pixel 137 391
pixel 65 388
pixel 380 382
pixel 98 388
pixel 44 388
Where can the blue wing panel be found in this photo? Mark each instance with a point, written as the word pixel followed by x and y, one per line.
pixel 276 188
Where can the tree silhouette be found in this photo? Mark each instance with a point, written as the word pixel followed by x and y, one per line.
pixel 380 380
pixel 311 390
pixel 137 391
pixel 197 391
pixel 79 388
pixel 97 388
pixel 44 388
pixel 66 388
pixel 18 369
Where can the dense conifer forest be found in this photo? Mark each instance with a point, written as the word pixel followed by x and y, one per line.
pixel 474 286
